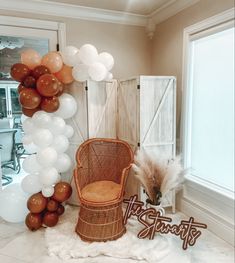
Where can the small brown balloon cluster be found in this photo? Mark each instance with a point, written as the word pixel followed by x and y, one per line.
pixel 41 81
pixel 46 211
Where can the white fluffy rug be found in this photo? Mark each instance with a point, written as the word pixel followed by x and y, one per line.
pixel 63 242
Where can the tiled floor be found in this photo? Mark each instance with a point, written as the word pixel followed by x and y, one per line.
pixel 18 245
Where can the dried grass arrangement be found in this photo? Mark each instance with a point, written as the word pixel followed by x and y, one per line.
pixel 157 175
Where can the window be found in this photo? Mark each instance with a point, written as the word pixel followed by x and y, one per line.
pixel 209 102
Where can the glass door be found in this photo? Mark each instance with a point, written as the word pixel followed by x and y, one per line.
pixel 13 40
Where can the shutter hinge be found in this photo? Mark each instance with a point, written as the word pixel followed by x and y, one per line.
pixel 138 144
pixel 138 86
pixel 86 88
pixel 57 47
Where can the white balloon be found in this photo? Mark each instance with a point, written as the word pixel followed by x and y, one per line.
pixel 13 204
pixel 23 118
pixel 48 191
pixel 30 148
pixel 58 178
pixel 68 131
pixel 47 157
pixel 48 176
pixel 31 184
pixel 109 76
pixel 70 56
pixel 42 138
pixel 41 119
pixel 97 71
pixel 88 54
pixel 106 59
pixel 28 126
pixel 30 164
pixel 60 143
pixel 68 106
pixel 63 163
pixel 57 125
pixel 27 139
pixel 80 72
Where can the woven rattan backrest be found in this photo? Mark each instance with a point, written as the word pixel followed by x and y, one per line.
pixel 103 159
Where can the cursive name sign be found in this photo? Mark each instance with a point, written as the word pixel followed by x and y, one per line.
pixel 154 222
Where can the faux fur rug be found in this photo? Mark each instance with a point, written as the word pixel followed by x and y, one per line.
pixel 63 242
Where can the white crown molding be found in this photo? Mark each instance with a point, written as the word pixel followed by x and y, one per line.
pixel 170 9
pixel 28 23
pixel 96 14
pixel 73 11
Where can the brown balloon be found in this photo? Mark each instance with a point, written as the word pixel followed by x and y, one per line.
pixel 19 72
pixel 29 98
pixel 37 203
pixel 61 89
pixel 50 219
pixel 62 192
pixel 33 221
pixel 60 210
pixel 30 82
pixel 20 87
pixel 47 85
pixel 29 112
pixel 52 205
pixel 39 71
pixel 50 104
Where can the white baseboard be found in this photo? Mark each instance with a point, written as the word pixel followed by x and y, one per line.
pixel 215 223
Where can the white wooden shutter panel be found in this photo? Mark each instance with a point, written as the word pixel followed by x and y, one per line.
pixel 102 109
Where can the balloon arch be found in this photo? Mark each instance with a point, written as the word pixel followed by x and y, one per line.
pixel 46 107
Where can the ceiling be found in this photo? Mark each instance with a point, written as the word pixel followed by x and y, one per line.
pixel 140 7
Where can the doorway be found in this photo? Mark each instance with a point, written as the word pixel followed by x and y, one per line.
pixel 16 35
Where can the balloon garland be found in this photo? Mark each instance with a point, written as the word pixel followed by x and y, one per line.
pixel 45 108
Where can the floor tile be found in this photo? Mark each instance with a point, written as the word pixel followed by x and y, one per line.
pixel 6 259
pixel 18 245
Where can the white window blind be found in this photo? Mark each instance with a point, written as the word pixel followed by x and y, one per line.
pixel 211 142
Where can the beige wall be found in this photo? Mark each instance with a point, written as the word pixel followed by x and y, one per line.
pixel 134 53
pixel 167 46
pixel 129 45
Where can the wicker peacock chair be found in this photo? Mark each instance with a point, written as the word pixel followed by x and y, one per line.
pixel 100 177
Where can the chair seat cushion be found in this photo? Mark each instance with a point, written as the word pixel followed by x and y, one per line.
pixel 101 191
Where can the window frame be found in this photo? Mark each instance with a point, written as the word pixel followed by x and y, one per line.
pixel 199 198
pixel 203 29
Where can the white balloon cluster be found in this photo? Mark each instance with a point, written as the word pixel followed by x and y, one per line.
pixel 46 137
pixel 86 62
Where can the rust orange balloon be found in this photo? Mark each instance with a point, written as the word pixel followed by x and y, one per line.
pixel 65 75
pixel 29 82
pixel 61 89
pixel 37 203
pixel 52 205
pixel 29 112
pixel 20 87
pixel 39 71
pixel 29 98
pixel 53 61
pixel 19 72
pixel 62 192
pixel 47 85
pixel 50 104
pixel 33 221
pixel 50 219
pixel 60 210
